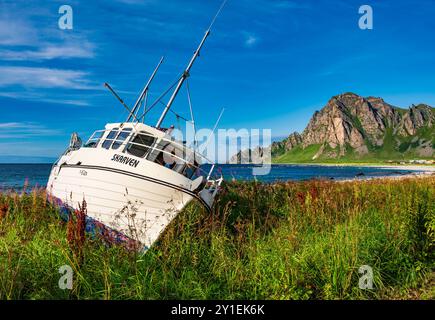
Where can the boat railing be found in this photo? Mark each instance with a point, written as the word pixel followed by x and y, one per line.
pixel 100 137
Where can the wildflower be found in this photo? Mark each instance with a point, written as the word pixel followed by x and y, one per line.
pixel 76 231
pixel 3 210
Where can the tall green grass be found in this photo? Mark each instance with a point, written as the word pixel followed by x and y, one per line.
pixel 294 240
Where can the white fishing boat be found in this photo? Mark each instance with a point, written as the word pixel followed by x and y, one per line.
pixel 134 177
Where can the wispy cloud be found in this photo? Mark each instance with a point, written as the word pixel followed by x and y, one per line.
pixel 138 2
pixel 15 32
pixel 19 130
pixel 250 40
pixel 29 42
pixel 286 4
pixel 34 77
pixel 274 6
pixel 9 125
pixel 34 95
pixel 50 52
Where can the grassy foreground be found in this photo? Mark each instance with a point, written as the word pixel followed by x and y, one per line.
pixel 295 240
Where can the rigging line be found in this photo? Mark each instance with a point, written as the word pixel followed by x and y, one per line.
pixel 191 115
pixel 145 89
pixel 142 104
pixel 119 99
pixel 214 129
pixel 178 122
pixel 176 114
pixel 190 105
pixel 179 116
pixel 160 98
pixel 145 103
pixel 218 13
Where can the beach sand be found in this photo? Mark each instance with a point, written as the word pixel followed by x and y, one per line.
pixel 415 171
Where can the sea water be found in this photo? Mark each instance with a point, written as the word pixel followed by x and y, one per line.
pixel 15 176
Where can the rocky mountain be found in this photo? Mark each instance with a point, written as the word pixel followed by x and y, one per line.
pixel 287 144
pixel 255 155
pixel 354 127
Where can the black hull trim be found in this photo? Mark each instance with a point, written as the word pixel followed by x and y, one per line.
pixel 142 177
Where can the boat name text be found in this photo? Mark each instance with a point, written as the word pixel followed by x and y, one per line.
pixel 125 160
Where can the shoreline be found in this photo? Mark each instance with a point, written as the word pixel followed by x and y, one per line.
pixel 416 171
pixel 410 167
pixel 411 175
pixel 362 164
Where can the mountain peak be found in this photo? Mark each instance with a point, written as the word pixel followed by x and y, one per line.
pixel 349 95
pixel 352 124
pixel 372 99
pixel 344 97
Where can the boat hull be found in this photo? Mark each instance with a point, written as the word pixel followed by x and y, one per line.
pixel 136 205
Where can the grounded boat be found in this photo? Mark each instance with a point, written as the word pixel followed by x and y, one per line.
pixel 135 178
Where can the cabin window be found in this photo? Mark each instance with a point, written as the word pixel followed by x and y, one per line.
pixel 140 144
pixel 122 136
pixel 94 140
pixel 177 163
pixel 179 167
pixel 157 155
pixel 171 158
pixel 110 138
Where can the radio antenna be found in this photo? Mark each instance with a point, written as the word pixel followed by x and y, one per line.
pixel 217 14
pixel 186 72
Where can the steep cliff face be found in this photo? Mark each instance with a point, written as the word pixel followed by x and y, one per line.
pixel 349 120
pixel 355 127
pixel 351 124
pixel 257 155
pixel 416 118
pixel 287 144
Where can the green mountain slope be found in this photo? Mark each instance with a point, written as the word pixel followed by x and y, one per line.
pixel 351 128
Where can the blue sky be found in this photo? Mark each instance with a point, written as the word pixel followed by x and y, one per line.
pixel 270 63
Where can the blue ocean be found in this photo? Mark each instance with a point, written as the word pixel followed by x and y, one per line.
pixel 14 176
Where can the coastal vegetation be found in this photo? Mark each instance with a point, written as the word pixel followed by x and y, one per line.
pixel 288 240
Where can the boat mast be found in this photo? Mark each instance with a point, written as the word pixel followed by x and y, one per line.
pixel 144 91
pixel 186 72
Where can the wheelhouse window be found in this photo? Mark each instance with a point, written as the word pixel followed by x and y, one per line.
pixel 157 154
pixel 140 144
pixel 173 157
pixel 110 138
pixel 122 136
pixel 94 140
